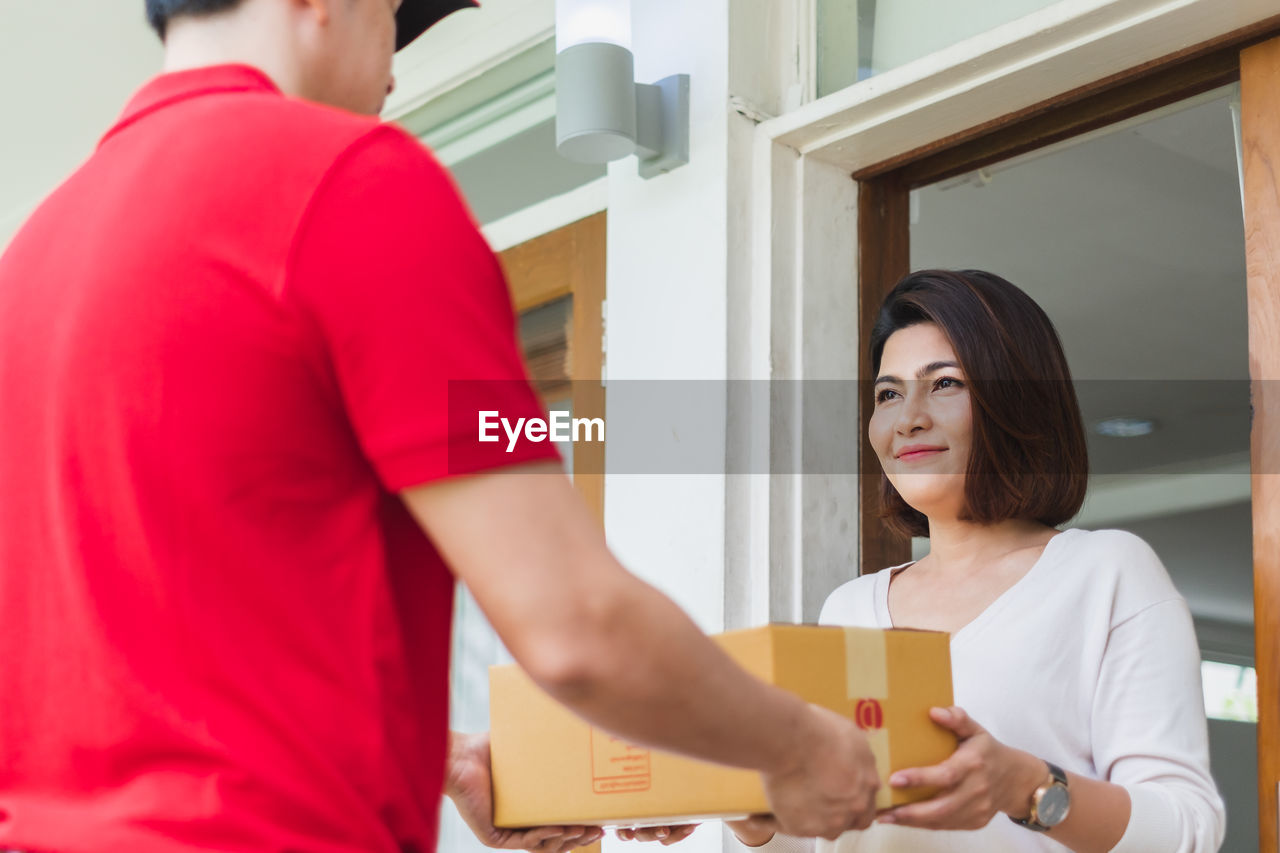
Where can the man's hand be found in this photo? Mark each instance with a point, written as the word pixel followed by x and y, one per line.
pixel 609 646
pixel 470 786
pixel 830 784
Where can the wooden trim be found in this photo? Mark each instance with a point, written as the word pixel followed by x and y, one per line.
pixel 884 257
pixel 547 215
pixel 570 261
pixel 1067 116
pixel 1131 92
pixel 1260 126
pixel 884 233
pixel 586 354
pixel 1250 55
pixel 539 271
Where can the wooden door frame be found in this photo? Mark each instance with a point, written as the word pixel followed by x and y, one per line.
pixel 884 257
pixel 1260 77
pixel 570 262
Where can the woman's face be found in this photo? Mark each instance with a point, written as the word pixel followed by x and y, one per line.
pixel 923 422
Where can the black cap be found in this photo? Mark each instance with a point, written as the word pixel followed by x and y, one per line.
pixel 416 16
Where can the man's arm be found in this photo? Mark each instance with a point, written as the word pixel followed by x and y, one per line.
pixel 624 657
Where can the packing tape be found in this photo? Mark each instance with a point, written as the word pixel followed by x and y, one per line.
pixel 866 665
pixel 866 678
pixel 878 740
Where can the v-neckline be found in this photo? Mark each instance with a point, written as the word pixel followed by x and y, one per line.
pixel 885 618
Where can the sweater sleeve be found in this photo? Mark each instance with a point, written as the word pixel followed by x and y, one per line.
pixel 1150 735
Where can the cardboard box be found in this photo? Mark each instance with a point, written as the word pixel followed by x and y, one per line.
pixel 551 768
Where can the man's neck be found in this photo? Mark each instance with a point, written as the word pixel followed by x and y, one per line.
pixel 241 37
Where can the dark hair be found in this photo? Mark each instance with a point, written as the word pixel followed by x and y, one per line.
pixel 1028 457
pixel 160 12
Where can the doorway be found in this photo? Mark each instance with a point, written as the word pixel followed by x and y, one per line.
pixel 557 286
pixel 1132 240
pixel 1120 211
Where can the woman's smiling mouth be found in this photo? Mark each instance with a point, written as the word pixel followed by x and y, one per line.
pixel 912 452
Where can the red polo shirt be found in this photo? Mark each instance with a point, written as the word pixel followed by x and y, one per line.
pixel 225 344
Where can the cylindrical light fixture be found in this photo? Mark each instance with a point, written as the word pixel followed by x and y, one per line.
pixel 601 113
pixel 585 21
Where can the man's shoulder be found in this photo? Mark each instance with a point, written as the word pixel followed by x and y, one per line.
pixel 290 128
pixel 299 153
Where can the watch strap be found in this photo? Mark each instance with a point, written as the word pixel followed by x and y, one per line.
pixel 1058 777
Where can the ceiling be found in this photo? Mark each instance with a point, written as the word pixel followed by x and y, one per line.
pixel 1133 243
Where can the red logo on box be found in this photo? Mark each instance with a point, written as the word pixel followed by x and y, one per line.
pixel 869 714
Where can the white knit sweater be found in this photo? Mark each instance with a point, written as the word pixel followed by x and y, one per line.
pixel 1089 661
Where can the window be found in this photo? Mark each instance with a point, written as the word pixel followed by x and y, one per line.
pixel 859 38
pixel 1230 691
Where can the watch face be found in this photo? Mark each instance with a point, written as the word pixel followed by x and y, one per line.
pixel 1054 804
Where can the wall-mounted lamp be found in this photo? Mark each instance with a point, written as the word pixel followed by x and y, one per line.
pixel 602 114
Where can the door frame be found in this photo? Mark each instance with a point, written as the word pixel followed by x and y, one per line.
pixel 570 262
pixel 798 305
pixel 884 188
pixel 1037 75
pixel 1260 126
pixel 884 231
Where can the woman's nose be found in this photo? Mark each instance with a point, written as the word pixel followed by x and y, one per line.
pixel 913 414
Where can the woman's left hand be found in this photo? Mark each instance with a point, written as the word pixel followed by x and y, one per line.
pixel 981 778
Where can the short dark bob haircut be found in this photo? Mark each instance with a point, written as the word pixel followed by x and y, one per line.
pixel 160 12
pixel 1028 458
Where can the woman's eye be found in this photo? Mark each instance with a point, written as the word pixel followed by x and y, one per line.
pixel 948 382
pixel 884 394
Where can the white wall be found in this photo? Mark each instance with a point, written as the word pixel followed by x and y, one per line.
pixel 67 68
pixel 667 282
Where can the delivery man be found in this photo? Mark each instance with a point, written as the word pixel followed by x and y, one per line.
pixel 233 504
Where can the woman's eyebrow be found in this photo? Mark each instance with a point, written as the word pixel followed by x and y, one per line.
pixel 934 367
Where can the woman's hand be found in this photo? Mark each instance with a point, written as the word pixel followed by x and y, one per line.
pixel 668 835
pixel 470 786
pixel 981 778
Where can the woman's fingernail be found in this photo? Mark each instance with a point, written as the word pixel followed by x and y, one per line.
pixel 899 780
pixel 887 817
pixel 663 832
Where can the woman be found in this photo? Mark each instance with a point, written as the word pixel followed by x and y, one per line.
pixel 1069 648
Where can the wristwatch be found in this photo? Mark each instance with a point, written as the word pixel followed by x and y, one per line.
pixel 1049 804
